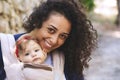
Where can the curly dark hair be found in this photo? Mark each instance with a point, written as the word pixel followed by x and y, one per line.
pixel 83 37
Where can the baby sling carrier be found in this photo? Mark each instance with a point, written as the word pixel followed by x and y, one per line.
pixel 16 70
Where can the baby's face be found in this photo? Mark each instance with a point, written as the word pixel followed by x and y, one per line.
pixel 33 53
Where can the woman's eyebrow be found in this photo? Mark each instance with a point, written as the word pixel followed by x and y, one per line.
pixel 53 27
pixel 66 33
pixel 57 29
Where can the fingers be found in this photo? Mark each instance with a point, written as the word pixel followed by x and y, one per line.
pixel 44 50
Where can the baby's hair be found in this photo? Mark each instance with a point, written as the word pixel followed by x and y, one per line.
pixel 21 45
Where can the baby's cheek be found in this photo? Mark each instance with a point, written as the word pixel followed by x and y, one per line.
pixel 42 55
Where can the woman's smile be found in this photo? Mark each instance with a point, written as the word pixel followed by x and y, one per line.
pixel 46 45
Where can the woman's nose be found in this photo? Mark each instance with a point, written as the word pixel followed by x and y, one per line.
pixel 54 39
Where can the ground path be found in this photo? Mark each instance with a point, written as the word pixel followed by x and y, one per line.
pixel 105 63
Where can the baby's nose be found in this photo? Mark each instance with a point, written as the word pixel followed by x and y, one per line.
pixel 33 54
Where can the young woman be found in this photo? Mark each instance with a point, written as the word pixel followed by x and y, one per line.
pixel 61 26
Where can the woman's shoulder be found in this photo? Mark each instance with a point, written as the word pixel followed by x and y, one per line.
pixel 16 36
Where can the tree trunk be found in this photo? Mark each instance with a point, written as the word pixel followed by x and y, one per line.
pixel 118 16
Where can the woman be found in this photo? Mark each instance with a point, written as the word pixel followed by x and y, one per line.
pixel 61 26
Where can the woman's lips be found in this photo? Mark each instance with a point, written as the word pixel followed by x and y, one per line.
pixel 46 45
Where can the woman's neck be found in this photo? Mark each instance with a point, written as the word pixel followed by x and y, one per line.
pixel 32 34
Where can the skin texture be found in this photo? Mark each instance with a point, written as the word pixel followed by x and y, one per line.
pixel 68 18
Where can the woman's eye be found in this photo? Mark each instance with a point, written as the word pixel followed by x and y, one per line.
pixel 62 36
pixel 26 54
pixel 36 50
pixel 51 30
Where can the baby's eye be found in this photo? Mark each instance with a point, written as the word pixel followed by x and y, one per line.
pixel 26 54
pixel 51 30
pixel 36 50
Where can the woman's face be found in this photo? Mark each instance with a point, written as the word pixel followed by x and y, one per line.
pixel 53 33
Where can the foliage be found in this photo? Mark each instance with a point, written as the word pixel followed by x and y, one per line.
pixel 88 4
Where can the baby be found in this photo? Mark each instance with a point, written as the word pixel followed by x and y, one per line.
pixel 29 51
pixel 30 56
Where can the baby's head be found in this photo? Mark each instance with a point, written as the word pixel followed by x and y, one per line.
pixel 29 51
